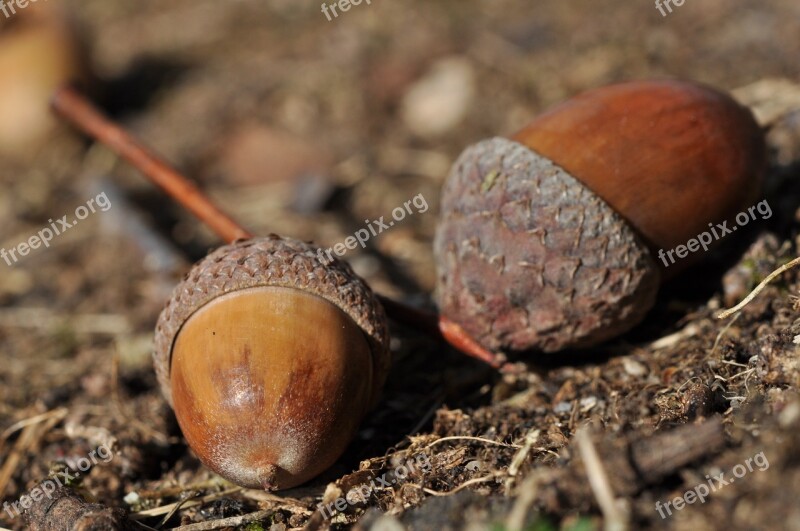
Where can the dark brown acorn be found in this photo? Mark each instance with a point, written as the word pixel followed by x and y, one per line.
pixel 546 240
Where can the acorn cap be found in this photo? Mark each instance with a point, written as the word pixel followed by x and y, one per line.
pixel 530 259
pixel 280 262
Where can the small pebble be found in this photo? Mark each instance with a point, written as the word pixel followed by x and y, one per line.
pixel 633 367
pixel 562 407
pixel 387 523
pixel 440 101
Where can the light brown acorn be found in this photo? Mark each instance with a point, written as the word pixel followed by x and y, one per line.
pixel 546 240
pixel 270 359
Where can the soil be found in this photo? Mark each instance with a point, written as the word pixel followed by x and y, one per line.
pixel 305 127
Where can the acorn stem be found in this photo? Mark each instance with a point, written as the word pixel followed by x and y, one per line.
pixel 77 109
pixel 74 107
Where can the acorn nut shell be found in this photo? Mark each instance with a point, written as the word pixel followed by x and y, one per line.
pixel 530 259
pixel 270 359
pixel 669 156
pixel 543 244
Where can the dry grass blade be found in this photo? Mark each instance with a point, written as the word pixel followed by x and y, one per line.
pixel 461 487
pixel 531 437
pixel 61 412
pixel 174 510
pixel 268 497
pixel 33 430
pixel 478 439
pixel 759 288
pixel 722 333
pixel 526 496
pixel 166 509
pixel 616 518
pixel 234 521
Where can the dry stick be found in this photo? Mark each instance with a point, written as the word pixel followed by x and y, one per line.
pixel 74 107
pixel 71 105
pixel 233 521
pixel 759 288
pixel 616 518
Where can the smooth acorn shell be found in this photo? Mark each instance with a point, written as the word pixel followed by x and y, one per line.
pixel 528 258
pixel 270 359
pixel 669 156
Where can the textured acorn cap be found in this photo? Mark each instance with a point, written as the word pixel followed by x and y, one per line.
pixel 279 262
pixel 530 259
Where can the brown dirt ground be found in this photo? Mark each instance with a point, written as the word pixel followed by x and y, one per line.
pixel 682 396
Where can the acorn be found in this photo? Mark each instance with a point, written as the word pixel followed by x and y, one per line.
pixel 39 51
pixel 547 241
pixel 270 359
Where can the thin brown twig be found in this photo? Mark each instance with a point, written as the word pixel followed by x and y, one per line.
pixel 70 104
